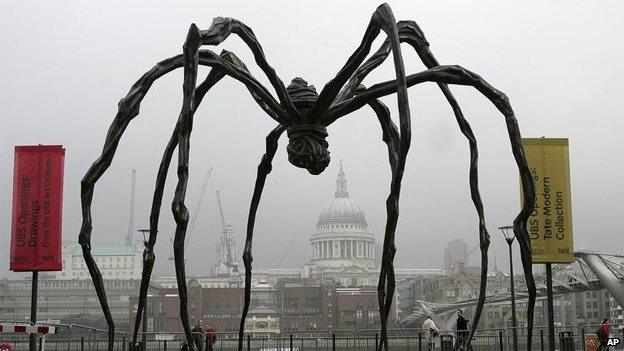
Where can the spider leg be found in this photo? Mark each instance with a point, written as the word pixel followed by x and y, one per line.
pixel 461 76
pixel 392 138
pixel 269 108
pixel 414 36
pixel 178 207
pixel 194 40
pixel 148 253
pixel 355 82
pixel 218 32
pixel 386 285
pixel 390 132
pixel 185 122
pixel 264 168
pixel 382 19
pixel 411 33
pixel 149 257
pixel 128 109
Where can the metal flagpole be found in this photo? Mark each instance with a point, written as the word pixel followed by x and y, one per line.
pixel 33 310
pixel 551 312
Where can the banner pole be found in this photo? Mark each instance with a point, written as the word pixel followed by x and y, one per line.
pixel 551 312
pixel 33 309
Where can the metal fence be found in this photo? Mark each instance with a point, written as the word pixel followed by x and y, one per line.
pixel 577 338
pixel 68 337
pixel 80 338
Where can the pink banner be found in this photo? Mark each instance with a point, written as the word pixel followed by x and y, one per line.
pixel 37 208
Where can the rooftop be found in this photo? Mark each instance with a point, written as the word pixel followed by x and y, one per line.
pixel 107 250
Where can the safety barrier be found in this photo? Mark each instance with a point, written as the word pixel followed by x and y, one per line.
pixel 80 338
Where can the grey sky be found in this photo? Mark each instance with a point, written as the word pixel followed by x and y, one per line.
pixel 65 64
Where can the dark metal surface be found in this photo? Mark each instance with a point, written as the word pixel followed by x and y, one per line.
pixel 33 310
pixel 264 168
pixel 551 309
pixel 304 115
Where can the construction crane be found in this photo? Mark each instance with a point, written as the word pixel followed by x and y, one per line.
pixel 196 213
pixel 227 235
pixel 286 252
pixel 223 225
pixel 130 234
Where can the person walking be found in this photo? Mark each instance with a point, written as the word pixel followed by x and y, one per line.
pixel 603 335
pixel 462 329
pixel 198 335
pixel 431 331
pixel 211 337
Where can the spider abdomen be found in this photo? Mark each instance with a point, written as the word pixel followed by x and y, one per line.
pixel 307 147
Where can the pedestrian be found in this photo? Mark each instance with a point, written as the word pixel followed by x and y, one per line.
pixel 603 335
pixel 198 335
pixel 431 331
pixel 211 337
pixel 462 329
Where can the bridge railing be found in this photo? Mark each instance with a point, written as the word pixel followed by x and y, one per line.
pixel 580 338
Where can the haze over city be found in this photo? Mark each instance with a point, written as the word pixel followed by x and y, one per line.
pixel 65 65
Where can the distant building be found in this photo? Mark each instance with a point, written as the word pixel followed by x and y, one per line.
pixel 293 306
pixel 455 252
pixel 573 308
pixel 170 282
pixel 114 262
pixel 592 306
pixel 617 313
pixel 68 296
pixel 218 306
pixel 342 247
pixel 68 301
pixel 358 309
pixel 306 305
pixel 260 327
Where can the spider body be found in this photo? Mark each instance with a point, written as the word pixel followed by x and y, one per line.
pixel 304 114
pixel 307 147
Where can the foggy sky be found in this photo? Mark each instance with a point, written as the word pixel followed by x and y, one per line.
pixel 64 66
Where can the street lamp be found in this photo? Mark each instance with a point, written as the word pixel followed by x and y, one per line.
pixel 509 237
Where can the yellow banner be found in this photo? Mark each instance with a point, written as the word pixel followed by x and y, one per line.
pixel 550 224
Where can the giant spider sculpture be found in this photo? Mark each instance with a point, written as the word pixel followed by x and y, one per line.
pixel 304 115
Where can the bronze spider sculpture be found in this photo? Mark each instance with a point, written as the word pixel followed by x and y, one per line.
pixel 304 115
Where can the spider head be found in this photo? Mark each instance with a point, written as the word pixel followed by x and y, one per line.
pixel 302 95
pixel 307 147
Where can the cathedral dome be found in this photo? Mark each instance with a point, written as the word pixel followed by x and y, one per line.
pixel 342 208
pixel 342 240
